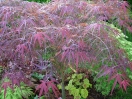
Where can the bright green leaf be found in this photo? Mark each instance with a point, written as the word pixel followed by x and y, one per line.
pixel 74 75
pixel 79 76
pixel 84 93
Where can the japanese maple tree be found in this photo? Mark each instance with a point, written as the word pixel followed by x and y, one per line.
pixel 75 30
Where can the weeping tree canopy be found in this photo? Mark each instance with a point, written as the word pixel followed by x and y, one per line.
pixel 75 31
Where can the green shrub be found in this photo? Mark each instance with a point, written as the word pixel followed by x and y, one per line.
pixel 19 92
pixel 37 76
pixel 103 86
pixel 126 45
pixel 78 86
pixel 120 94
pixel 1 69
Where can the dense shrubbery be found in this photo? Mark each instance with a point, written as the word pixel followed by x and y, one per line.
pixel 75 32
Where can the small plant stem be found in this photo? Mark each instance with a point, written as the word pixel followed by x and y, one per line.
pixel 63 87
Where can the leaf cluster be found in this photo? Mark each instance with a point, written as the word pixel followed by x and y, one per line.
pixel 103 86
pixel 77 86
pixel 119 94
pixel 40 1
pixel 126 45
pixel 45 86
pixel 19 92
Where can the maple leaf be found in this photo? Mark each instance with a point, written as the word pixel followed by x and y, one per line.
pixel 83 53
pixel 118 79
pixel 105 71
pixel 121 22
pixel 124 6
pixel 51 84
pixel 23 24
pixel 45 86
pixel 21 48
pixel 5 85
pixel 104 18
pixel 95 26
pixel 95 9
pixel 39 37
pixel 15 82
pixel 69 21
pixel 80 57
pixel 76 53
pixel 82 5
pixel 3 24
pixel 65 33
pixel 67 9
pixel 42 87
pixel 124 84
pixel 15 78
pixel 66 54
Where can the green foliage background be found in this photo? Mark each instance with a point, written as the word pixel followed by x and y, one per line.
pixel 40 1
pixel 18 93
pixel 130 2
pixel 126 45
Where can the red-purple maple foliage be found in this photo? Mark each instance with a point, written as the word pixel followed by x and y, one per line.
pixel 75 29
pixel 45 86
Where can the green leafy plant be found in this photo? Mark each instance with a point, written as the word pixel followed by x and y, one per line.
pixel 40 1
pixel 19 92
pixel 48 54
pixel 37 76
pixel 122 95
pixel 128 34
pixel 1 69
pixel 126 45
pixel 78 86
pixel 129 73
pixel 103 86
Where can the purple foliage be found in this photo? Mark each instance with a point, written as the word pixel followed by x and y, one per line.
pixel 75 29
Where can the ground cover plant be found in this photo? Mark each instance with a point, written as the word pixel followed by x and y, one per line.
pixel 49 38
pixel 77 86
pixel 19 92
